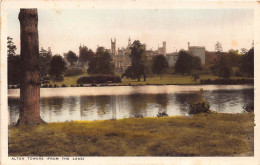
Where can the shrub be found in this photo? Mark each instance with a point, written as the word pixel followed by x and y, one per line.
pixel 163 114
pixel 139 116
pixel 227 81
pixel 56 86
pixel 98 79
pixel 197 108
pixel 63 85
pixel 50 86
pixel 73 72
pixel 58 78
pixel 249 107
pixel 45 85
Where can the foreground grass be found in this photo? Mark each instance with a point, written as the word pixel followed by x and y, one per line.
pixel 200 135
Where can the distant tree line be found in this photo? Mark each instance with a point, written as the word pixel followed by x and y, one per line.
pixel 227 64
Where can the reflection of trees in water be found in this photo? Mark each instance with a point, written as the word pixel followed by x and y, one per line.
pixel 13 105
pixel 86 105
pixel 162 100
pixel 71 103
pixel 223 98
pixel 90 105
pixel 54 104
pixel 183 99
pixel 139 102
pixel 102 104
pixel 248 95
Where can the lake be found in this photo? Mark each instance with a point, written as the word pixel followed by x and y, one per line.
pixel 117 102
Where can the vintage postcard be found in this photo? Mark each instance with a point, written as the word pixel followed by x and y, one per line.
pixel 129 82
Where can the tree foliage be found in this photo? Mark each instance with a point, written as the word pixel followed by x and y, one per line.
pixel 247 65
pixel 85 55
pixel 160 64
pixel 45 59
pixel 14 63
pixel 218 47
pixel 11 48
pixel 187 63
pixel 71 58
pixel 57 67
pixel 138 59
pixel 101 62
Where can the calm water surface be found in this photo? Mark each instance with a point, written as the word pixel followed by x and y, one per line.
pixel 102 103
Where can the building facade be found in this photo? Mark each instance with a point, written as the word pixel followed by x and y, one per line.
pixel 198 51
pixel 121 56
pixel 172 58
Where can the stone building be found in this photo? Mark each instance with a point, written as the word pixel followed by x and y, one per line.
pixel 198 51
pixel 121 56
pixel 172 58
pixel 162 50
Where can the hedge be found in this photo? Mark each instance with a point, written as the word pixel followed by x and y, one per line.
pixel 98 79
pixel 227 81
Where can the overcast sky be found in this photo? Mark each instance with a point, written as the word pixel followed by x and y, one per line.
pixel 64 30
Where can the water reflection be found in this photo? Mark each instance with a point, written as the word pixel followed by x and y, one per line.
pixel 103 107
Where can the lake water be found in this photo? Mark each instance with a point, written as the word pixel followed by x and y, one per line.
pixel 116 102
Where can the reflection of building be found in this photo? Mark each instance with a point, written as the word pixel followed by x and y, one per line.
pixel 198 51
pixel 120 57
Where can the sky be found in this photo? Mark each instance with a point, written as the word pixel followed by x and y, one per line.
pixel 66 29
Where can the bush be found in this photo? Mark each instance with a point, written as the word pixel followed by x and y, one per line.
pixel 45 86
pixel 163 114
pixel 227 81
pixel 50 86
pixel 249 107
pixel 56 86
pixel 73 72
pixel 58 78
pixel 63 85
pixel 199 108
pixel 98 79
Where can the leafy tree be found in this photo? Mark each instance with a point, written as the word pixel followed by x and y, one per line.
pixel 187 63
pixel 11 48
pixel 57 67
pixel 224 69
pixel 101 62
pixel 247 65
pixel 14 69
pixel 243 51
pixel 159 65
pixel 14 63
pixel 85 55
pixel 138 59
pixel 71 57
pixel 45 59
pixel 218 47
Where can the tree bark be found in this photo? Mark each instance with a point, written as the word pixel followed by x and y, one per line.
pixel 30 84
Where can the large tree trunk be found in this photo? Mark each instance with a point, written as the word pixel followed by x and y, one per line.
pixel 30 85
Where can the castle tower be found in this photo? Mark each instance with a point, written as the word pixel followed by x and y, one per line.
pixel 129 42
pixel 164 48
pixel 113 46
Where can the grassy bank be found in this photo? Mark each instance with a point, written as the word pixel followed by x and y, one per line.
pixel 166 79
pixel 200 135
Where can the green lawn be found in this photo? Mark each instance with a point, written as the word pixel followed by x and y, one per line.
pixel 212 134
pixel 166 79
